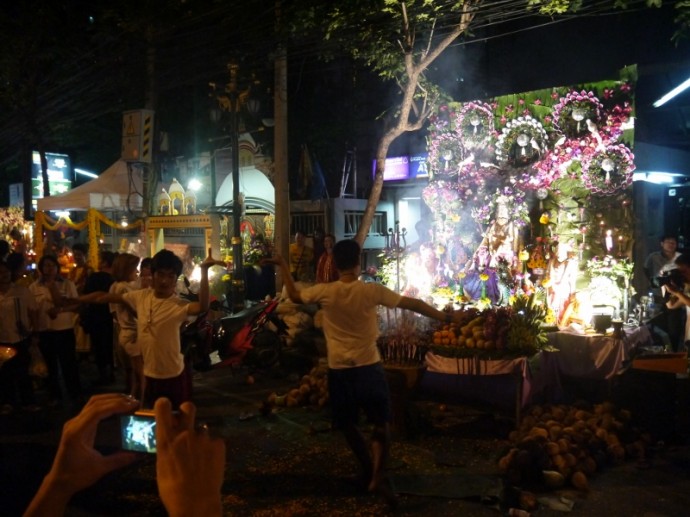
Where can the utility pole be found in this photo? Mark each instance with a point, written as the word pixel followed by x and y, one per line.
pixel 231 102
pixel 282 188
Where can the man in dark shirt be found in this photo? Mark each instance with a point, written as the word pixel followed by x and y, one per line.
pixel 97 320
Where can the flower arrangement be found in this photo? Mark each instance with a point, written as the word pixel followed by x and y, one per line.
pixel 442 196
pixel 608 266
pixel 257 250
pixel 573 111
pixel 522 141
pixel 475 124
pixel 616 117
pixel 565 158
pixel 514 201
pixel 473 179
pixel 607 172
pixel 445 152
pixel 11 217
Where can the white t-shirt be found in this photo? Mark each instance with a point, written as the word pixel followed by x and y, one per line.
pixel 13 314
pixel 44 302
pixel 350 320
pixel 158 332
pixel 126 319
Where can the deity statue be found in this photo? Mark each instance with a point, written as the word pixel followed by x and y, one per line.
pixel 562 274
pixel 502 238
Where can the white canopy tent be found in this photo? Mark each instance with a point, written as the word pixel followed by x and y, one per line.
pixel 119 187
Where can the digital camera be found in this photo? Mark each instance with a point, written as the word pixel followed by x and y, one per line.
pixel 138 431
pixel 673 277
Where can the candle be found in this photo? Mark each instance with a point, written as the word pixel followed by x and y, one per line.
pixel 620 244
pixel 609 241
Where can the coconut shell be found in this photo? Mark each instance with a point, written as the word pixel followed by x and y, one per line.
pixel 552 448
pixel 579 480
pixel 553 479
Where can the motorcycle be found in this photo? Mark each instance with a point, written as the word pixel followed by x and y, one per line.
pixel 240 339
pixel 245 338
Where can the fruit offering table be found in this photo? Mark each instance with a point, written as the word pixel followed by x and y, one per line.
pixel 494 381
pixel 526 380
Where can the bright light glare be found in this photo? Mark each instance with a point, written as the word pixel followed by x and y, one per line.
pixel 194 184
pixel 85 173
pixel 62 213
pixel 670 95
pixel 659 178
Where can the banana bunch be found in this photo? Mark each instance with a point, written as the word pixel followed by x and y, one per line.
pixel 525 333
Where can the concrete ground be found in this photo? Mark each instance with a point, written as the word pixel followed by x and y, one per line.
pixel 290 463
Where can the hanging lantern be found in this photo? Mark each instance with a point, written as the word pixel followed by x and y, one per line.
pixel 522 140
pixel 578 115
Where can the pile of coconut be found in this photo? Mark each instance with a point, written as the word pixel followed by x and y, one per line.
pixel 312 391
pixel 560 444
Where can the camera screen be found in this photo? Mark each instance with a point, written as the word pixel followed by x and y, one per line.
pixel 138 433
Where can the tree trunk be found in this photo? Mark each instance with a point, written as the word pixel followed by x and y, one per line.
pixel 375 194
pixel 404 124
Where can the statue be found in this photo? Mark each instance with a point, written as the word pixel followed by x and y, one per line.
pixel 562 274
pixel 501 239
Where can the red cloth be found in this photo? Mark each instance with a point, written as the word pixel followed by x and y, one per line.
pixel 325 269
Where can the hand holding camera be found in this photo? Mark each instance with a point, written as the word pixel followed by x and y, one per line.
pixel 190 464
pixel 189 467
pixel 77 463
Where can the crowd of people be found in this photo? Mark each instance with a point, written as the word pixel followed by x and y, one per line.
pixel 313 264
pixel 148 315
pixel 46 314
pixel 190 464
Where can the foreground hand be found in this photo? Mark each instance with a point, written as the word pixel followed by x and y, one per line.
pixel 77 463
pixel 210 261
pixel 190 464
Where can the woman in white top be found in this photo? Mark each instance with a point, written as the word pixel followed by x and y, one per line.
pixel 55 321
pixel 128 349
pixel 17 321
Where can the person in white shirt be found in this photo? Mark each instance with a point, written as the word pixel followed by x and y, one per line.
pixel 56 328
pixel 160 314
pixel 128 350
pixel 17 321
pixel 356 379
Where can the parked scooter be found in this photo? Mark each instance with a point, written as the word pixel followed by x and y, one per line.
pixel 244 338
pixel 240 339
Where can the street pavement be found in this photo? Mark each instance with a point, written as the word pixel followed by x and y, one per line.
pixel 288 462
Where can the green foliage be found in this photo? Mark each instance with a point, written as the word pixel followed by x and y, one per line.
pixel 682 21
pixel 552 7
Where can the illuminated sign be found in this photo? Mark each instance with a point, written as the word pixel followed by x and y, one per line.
pixel 59 174
pixel 402 168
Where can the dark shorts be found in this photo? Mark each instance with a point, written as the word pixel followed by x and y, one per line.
pixel 177 389
pixel 363 387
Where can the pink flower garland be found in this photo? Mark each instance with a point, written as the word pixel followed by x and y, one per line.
pixel 607 172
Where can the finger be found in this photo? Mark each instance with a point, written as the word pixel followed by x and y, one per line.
pixel 187 416
pixel 165 430
pixel 100 407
